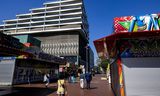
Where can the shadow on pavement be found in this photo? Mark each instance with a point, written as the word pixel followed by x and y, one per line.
pixel 2 89
pixel 93 88
pixel 34 91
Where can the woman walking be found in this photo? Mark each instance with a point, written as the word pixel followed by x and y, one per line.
pixel 61 91
pixel 82 80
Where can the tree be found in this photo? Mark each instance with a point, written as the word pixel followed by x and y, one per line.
pixel 104 64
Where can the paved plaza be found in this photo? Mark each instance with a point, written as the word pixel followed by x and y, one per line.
pixel 99 87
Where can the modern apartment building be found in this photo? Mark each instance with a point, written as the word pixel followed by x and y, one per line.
pixel 91 58
pixel 61 25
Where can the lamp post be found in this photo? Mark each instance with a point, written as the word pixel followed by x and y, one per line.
pixel 77 62
pixel 86 59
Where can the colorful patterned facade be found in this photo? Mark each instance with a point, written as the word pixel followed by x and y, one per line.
pixel 137 23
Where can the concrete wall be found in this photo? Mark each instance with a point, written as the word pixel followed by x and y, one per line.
pixel 6 71
pixel 60 44
pixel 142 76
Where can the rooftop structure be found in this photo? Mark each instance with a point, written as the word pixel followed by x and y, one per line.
pixel 62 15
pixel 61 26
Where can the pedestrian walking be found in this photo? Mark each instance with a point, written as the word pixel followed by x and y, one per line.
pixel 82 80
pixel 88 78
pixel 93 72
pixel 62 89
pixel 79 71
pixel 46 79
pixel 29 77
pixel 72 77
pixel 69 77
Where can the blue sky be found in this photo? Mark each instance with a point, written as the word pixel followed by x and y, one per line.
pixel 100 12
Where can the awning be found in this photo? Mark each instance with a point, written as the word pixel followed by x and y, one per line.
pixel 110 40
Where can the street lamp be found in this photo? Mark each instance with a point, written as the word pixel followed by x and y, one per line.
pixel 87 58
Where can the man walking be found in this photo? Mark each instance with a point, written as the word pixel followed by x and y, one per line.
pixel 46 79
pixel 88 78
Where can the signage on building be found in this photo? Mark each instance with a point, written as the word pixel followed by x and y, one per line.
pixel 7 58
pixel 48 57
pixel 137 23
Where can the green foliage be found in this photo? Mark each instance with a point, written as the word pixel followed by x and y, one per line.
pixel 104 63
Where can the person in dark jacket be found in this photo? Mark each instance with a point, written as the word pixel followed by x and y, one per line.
pixel 88 78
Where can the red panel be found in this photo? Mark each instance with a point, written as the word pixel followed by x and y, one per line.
pixel 119 28
pixel 28 44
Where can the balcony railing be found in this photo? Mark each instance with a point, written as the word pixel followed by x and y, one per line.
pixel 9 22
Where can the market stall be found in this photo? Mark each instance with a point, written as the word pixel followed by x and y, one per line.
pixel 133 50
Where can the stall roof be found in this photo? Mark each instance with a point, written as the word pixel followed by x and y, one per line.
pixel 110 40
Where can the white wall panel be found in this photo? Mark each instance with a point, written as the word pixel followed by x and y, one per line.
pixel 142 76
pixel 6 71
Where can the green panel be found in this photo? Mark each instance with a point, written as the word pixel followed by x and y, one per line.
pixel 126 25
pixel 30 39
pixel 34 41
pixel 22 38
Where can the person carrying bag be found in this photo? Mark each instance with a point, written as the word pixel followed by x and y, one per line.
pixel 82 80
pixel 62 89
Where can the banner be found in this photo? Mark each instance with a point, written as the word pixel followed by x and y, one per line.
pixel 137 23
